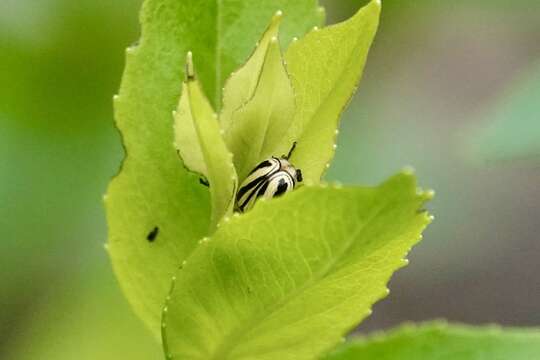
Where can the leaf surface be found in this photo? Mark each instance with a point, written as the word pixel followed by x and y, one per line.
pixel 325 67
pixel 242 83
pixel 221 34
pixel 262 127
pixel 195 112
pixel 154 196
pixel 439 341
pixel 186 139
pixel 287 280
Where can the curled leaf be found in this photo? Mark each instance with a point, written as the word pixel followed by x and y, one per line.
pixel 242 83
pixel 263 127
pixel 196 117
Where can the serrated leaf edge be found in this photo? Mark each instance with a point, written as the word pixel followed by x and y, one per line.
pixel 423 195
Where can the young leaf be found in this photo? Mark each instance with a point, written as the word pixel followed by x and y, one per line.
pixel 241 85
pixel 222 33
pixel 287 280
pixel 156 210
pixel 444 342
pixel 196 112
pixel 186 139
pixel 325 67
pixel 259 129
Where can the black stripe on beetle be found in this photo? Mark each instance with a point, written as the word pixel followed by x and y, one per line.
pixel 270 178
pixel 249 186
pixel 264 164
pixel 282 187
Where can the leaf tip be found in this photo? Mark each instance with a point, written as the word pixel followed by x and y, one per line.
pixel 277 15
pixel 426 195
pixel 190 70
pixel 429 194
pixel 408 170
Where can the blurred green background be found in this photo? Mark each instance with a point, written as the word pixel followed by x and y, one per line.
pixel 450 88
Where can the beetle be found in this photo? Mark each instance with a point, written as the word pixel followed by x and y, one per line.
pixel 270 178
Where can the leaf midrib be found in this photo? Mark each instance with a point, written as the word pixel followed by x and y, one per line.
pixel 226 347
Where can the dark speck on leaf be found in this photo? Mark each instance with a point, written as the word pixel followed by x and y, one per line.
pixel 152 234
pixel 204 182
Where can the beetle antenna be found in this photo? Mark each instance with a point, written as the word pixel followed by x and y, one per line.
pixel 290 151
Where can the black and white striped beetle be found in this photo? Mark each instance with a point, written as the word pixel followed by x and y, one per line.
pixel 271 178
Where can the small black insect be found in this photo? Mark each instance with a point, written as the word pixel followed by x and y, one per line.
pixel 204 182
pixel 152 234
pixel 271 178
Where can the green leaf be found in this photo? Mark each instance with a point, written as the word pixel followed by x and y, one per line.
pixel 221 34
pixel 195 114
pixel 325 67
pixel 156 210
pixel 287 280
pixel 262 127
pixel 186 139
pixel 153 196
pixel 511 128
pixel 444 342
pixel 242 83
